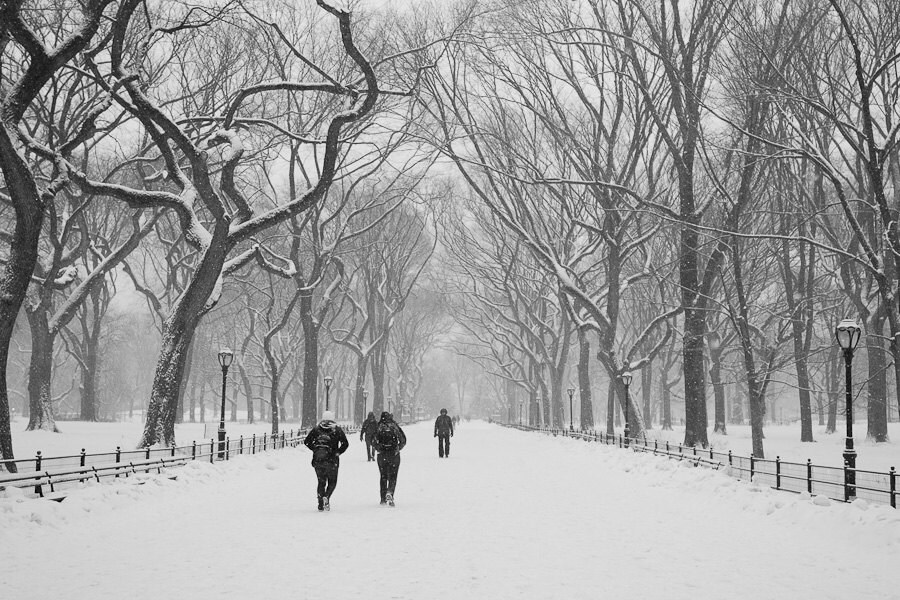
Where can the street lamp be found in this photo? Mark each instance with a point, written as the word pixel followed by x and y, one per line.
pixel 626 379
pixel 328 381
pixel 571 392
pixel 847 333
pixel 390 405
pixel 365 400
pixel 225 358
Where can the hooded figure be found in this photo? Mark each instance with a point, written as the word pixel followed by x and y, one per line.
pixel 367 432
pixel 327 442
pixel 389 441
pixel 443 431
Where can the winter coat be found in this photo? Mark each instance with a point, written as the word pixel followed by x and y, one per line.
pixel 443 424
pixel 327 441
pixel 368 429
pixel 401 437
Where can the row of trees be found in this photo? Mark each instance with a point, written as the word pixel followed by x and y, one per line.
pixel 643 174
pixel 259 159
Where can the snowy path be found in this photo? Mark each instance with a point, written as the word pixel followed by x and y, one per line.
pixel 509 515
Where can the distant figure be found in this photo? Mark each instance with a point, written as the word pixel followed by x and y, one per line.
pixel 327 442
pixel 389 441
pixel 443 431
pixel 367 432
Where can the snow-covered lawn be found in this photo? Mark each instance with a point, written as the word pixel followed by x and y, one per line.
pixel 784 441
pixel 510 514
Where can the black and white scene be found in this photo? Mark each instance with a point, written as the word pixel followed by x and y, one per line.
pixel 449 299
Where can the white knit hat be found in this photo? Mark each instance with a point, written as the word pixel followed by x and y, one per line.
pixel 328 416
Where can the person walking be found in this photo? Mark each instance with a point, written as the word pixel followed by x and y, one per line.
pixel 443 431
pixel 389 441
pixel 327 441
pixel 367 432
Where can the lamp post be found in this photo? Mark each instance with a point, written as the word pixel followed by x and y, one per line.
pixel 847 333
pixel 571 392
pixel 626 379
pixel 225 358
pixel 365 401
pixel 328 381
pixel 390 405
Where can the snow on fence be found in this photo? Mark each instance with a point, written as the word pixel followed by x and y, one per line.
pixel 832 482
pixel 61 472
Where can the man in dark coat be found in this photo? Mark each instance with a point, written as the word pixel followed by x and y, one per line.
pixel 443 431
pixel 327 442
pixel 367 432
pixel 389 441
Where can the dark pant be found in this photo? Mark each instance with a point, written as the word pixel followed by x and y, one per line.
pixel 327 474
pixel 370 448
pixel 388 466
pixel 443 444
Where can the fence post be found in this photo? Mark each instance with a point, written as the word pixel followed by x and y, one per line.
pixel 667 447
pixel 241 444
pixel 147 453
pixel 846 481
pixel 809 475
pixel 893 478
pixel 194 450
pixel 730 463
pixel 212 450
pixel 265 442
pixel 655 446
pixel 752 465
pixel 173 451
pixel 711 452
pixel 227 448
pixel 37 468
pixel 81 463
pixel 777 472
pixel 118 458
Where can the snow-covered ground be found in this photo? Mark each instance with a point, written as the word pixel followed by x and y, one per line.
pixel 510 514
pixel 784 441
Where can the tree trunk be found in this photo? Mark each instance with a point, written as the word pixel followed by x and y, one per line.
pixel 378 371
pixel 715 376
pixel 584 380
pixel 273 401
pixel 877 384
pixel 308 409
pixel 179 413
pixel 611 408
pixel 647 394
pixel 90 373
pixel 40 373
pixel 359 408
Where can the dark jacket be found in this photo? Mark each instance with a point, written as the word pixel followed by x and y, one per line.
pixel 401 437
pixel 327 441
pixel 368 429
pixel 443 424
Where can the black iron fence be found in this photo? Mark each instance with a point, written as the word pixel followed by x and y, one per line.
pixel 50 476
pixel 831 482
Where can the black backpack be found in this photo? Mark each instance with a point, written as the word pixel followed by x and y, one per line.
pixel 386 437
pixel 323 446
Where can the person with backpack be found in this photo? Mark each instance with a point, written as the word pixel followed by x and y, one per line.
pixel 389 441
pixel 367 431
pixel 443 431
pixel 327 441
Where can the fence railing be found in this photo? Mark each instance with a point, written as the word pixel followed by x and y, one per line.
pixel 58 473
pixel 832 482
